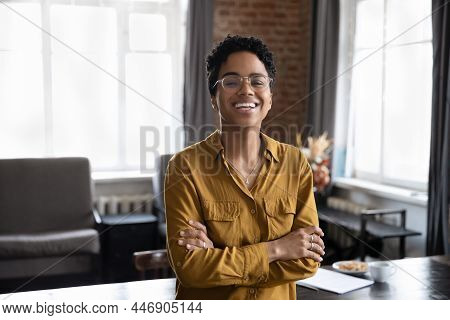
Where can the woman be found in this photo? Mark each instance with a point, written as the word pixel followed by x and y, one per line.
pixel 241 217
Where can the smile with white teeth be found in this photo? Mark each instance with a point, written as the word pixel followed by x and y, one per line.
pixel 246 105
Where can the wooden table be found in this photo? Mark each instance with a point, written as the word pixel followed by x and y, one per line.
pixel 416 278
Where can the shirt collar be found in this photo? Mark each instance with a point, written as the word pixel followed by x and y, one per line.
pixel 271 146
pixel 216 144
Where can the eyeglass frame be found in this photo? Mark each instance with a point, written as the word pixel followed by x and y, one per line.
pixel 242 81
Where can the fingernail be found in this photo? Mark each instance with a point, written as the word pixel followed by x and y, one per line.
pixel 320 259
pixel 191 222
pixel 188 246
pixel 180 241
pixel 181 233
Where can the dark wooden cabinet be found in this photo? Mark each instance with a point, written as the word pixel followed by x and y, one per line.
pixel 121 236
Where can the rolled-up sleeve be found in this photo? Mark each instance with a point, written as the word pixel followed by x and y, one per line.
pixel 205 268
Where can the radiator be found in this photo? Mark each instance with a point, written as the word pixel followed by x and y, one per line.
pixel 107 205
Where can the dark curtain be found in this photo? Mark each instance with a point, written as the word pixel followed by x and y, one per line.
pixel 438 190
pixel 324 61
pixel 198 116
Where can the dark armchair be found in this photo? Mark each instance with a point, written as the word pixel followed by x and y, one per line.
pixel 47 222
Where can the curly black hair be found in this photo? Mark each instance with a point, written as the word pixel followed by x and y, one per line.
pixel 232 44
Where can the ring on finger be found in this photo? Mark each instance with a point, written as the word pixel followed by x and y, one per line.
pixel 312 238
pixel 312 245
pixel 204 245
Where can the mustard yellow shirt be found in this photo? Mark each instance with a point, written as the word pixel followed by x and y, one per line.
pixel 200 186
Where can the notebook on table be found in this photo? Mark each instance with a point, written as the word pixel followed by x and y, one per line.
pixel 334 282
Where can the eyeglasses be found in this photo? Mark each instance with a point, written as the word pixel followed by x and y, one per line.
pixel 233 83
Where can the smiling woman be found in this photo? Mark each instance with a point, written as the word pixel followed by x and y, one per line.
pixel 241 217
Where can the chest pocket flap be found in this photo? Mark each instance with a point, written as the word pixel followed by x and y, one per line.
pixel 275 207
pixel 221 210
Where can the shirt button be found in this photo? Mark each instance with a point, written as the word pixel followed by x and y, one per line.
pixel 178 264
pixel 246 278
pixel 253 211
pixel 252 291
pixel 261 278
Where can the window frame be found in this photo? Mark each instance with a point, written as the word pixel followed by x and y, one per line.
pixel 171 9
pixel 349 13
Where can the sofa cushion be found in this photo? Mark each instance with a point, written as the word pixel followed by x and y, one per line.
pixel 84 241
pixel 48 266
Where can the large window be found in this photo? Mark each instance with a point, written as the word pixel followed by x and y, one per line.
pixel 389 55
pixel 104 70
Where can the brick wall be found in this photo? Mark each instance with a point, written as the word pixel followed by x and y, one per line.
pixel 284 25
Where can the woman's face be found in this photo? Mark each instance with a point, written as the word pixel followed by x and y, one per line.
pixel 243 106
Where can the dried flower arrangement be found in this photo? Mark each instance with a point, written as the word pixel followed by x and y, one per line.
pixel 317 152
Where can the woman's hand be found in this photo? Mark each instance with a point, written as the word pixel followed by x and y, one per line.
pixel 300 243
pixel 196 238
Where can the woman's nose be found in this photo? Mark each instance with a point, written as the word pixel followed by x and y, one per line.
pixel 246 88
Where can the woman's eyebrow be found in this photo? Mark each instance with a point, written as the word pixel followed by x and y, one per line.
pixel 231 74
pixel 237 74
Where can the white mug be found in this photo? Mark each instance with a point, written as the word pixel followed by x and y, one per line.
pixel 380 271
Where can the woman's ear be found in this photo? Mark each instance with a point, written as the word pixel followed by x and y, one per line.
pixel 270 102
pixel 213 102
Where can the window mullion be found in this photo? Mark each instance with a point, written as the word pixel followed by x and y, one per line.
pixel 383 91
pixel 349 170
pixel 173 17
pixel 47 81
pixel 122 49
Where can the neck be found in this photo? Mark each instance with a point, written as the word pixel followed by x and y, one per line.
pixel 241 144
